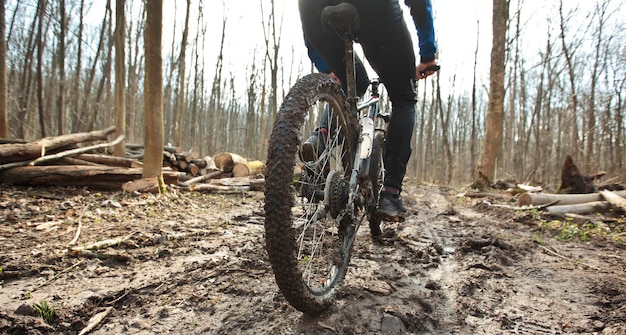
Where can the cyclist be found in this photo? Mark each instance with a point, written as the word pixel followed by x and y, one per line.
pixel 387 45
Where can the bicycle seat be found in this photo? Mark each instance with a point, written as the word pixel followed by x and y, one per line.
pixel 342 19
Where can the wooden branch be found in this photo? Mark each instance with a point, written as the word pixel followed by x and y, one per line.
pixel 255 184
pixel 471 194
pixel 115 256
pixel 575 261
pixel 584 208
pixel 43 159
pixel 74 161
pixel 95 321
pixel 27 151
pixel 614 199
pixel 104 243
pixel 230 184
pixel 563 199
pixel 56 276
pixel 107 177
pixel 80 225
pixel 214 174
pixel 218 188
pixel 110 160
pixel 61 154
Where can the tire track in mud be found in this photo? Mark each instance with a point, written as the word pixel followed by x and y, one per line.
pixel 457 272
pixel 453 267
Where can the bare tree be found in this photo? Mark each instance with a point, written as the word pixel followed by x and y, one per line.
pixel 568 53
pixel 180 99
pixel 135 68
pixel 215 99
pixel 486 169
pixel 272 47
pixel 251 126
pixel 120 76
pixel 4 114
pixel 85 113
pixel 61 94
pixel 601 14
pixel 153 93
pixel 79 64
pixel 41 11
pixel 474 132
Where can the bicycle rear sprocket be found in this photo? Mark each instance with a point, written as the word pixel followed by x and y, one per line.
pixel 338 193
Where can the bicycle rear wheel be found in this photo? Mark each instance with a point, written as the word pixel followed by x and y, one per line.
pixel 309 220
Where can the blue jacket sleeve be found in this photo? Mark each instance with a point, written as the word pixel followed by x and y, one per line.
pixel 316 58
pixel 422 13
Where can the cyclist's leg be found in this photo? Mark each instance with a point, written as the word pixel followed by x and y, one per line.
pixel 389 49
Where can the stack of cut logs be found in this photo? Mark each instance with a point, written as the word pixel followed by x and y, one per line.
pixel 59 160
pixel 184 161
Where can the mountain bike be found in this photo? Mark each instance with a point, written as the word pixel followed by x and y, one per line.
pixel 314 209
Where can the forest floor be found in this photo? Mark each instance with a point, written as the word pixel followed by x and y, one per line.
pixel 193 263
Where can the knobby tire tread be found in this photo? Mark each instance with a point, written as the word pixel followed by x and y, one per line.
pixel 283 144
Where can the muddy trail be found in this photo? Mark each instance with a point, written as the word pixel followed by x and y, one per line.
pixel 192 263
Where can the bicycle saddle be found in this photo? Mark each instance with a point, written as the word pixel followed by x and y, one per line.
pixel 342 19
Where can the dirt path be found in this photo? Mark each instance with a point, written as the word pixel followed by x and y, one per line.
pixel 195 264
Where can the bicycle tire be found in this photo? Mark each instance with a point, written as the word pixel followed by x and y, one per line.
pixel 291 208
pixel 377 176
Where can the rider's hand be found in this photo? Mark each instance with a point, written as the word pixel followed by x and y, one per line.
pixel 334 76
pixel 421 72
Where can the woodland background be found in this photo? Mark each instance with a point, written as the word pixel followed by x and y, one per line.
pixel 562 97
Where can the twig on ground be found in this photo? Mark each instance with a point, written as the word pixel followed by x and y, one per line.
pixel 99 255
pixel 95 321
pixel 104 243
pixel 56 276
pixel 520 208
pixel 569 259
pixel 80 225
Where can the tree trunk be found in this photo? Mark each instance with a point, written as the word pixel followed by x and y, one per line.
pixel 4 114
pixel 180 99
pixel 78 69
pixel 40 45
pixel 473 134
pixel 568 54
pixel 215 101
pixel 153 93
pixel 120 76
pixel 486 169
pixel 83 112
pixel 61 96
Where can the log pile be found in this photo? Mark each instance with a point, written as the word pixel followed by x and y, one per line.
pixel 68 160
pixel 73 160
pixel 228 172
pixel 575 203
pixel 185 162
pixel 578 194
